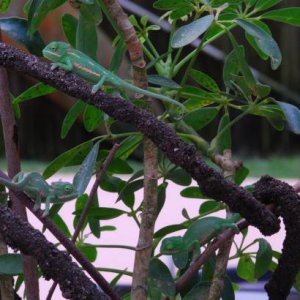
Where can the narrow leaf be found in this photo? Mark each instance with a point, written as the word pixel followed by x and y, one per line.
pixel 104 213
pixel 188 33
pixel 83 176
pixel 4 6
pixel 288 15
pixel 92 117
pixel 192 192
pixel 265 4
pixel 204 80
pixel 69 25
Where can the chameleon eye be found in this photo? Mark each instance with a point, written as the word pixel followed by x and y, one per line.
pixel 68 189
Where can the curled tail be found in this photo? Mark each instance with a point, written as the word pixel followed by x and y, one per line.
pixel 11 185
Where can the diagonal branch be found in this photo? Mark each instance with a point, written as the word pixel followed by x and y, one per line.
pixel 211 182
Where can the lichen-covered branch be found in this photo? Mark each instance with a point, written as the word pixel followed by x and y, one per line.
pixel 20 235
pixel 211 182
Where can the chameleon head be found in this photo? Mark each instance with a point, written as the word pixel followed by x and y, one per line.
pixel 54 51
pixel 64 191
pixel 171 245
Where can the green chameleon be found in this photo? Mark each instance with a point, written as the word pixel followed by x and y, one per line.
pixel 67 58
pixel 37 188
pixel 201 232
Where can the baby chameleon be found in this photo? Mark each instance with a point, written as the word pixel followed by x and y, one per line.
pixel 201 232
pixel 37 188
pixel 69 59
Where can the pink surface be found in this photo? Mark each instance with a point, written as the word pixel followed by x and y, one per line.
pixel 127 231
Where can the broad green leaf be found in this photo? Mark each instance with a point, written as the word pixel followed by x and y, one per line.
pixel 85 172
pixel 231 66
pixel 11 264
pixel 222 141
pixel 264 41
pixel 69 25
pixel 116 279
pixel 251 40
pixel 162 81
pixel 192 192
pixel 180 177
pixel 71 117
pixel 209 207
pixel 228 291
pixel 79 205
pixel 104 213
pixel 127 193
pixel 188 33
pixel 246 268
pixel 59 222
pixel 112 184
pixel 180 259
pixel 161 196
pixel 71 157
pixel 92 117
pixel 94 224
pixel 92 12
pixel 263 258
pixel 170 4
pixel 181 12
pixel 16 29
pixel 161 278
pixel 204 80
pixel 118 55
pixel 86 37
pixel 240 175
pixel 292 115
pixel 37 90
pixel 201 117
pixel 129 145
pixel 4 6
pixel 168 229
pixel 89 251
pixel 265 4
pixel 198 292
pixel 119 166
pixel 288 15
pixel 40 12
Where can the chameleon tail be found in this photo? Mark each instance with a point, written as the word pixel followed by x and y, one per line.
pixel 163 98
pixel 10 185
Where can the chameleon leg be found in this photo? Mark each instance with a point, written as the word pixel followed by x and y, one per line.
pixel 66 65
pixel 98 85
pixel 37 203
pixel 47 206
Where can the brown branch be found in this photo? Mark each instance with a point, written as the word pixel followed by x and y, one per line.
pixel 10 136
pixel 89 202
pixel 47 222
pixel 211 182
pixel 19 234
pixel 148 217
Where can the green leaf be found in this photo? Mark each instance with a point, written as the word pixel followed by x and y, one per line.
pixel 168 229
pixel 4 6
pixel 179 176
pixel 192 192
pixel 16 28
pixel 264 41
pixel 37 90
pixel 231 66
pixel 94 224
pixel 103 213
pixel 161 196
pixel 41 11
pixel 92 117
pixel 69 25
pixel 204 80
pixel 263 258
pixel 127 193
pixel 210 206
pixel 292 115
pixel 71 117
pixel 162 81
pixel 85 172
pixel 198 292
pixel 112 184
pixel 71 157
pixel 129 145
pixel 118 55
pixel 119 166
pixel 89 251
pixel 288 15
pixel 228 291
pixel 161 278
pixel 92 12
pixel 170 4
pixel 265 4
pixel 188 33
pixel 11 264
pixel 223 141
pixel 86 37
pixel 59 222
pixel 246 268
pixel 181 12
pixel 240 175
pixel 201 117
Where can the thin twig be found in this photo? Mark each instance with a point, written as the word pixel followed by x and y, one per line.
pixel 88 204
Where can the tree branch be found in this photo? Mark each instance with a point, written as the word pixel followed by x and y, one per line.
pixel 211 182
